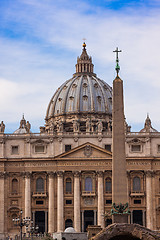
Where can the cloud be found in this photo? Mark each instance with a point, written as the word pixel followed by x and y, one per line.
pixel 42 39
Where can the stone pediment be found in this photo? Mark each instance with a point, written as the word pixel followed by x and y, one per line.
pixel 87 150
pixel 137 140
pixel 39 141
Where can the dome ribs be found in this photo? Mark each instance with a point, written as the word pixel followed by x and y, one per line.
pixel 64 106
pixel 91 94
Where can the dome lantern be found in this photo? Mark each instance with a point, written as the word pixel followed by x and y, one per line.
pixel 84 62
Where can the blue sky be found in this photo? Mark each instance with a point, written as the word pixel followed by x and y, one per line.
pixel 40 41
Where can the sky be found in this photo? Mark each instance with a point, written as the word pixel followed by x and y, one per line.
pixel 40 42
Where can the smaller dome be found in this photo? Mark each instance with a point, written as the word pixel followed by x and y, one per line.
pixel 24 127
pixel 70 230
pixel 148 126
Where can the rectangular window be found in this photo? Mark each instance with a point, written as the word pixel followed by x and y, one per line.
pixel 109 201
pixel 135 148
pixel 108 147
pixel 137 201
pixel 68 201
pixel 158 148
pixel 39 149
pixel 67 148
pixel 15 150
pixel 39 202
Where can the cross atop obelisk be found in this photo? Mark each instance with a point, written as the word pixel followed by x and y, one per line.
pixel 117 60
pixel 119 177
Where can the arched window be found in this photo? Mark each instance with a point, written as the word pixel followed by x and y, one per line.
pixel 39 185
pixel 88 184
pixel 14 185
pixel 68 185
pixel 68 223
pixel 136 184
pixel 108 185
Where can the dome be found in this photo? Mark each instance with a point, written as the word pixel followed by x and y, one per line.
pixel 83 93
pixel 148 126
pixel 24 127
pixel 70 230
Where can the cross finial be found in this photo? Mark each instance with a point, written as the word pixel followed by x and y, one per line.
pixel 84 44
pixel 117 60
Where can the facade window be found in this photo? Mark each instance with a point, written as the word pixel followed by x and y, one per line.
pixel 135 148
pixel 109 201
pixel 39 185
pixel 39 202
pixel 14 185
pixel 68 185
pixel 136 184
pixel 15 150
pixel 108 185
pixel 39 149
pixel 68 201
pixel 108 147
pixel 137 201
pixel 67 148
pixel 158 148
pixel 88 184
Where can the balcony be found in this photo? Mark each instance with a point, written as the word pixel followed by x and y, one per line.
pixel 137 194
pixel 88 194
pixel 39 194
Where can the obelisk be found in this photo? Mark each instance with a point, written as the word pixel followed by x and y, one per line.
pixel 119 175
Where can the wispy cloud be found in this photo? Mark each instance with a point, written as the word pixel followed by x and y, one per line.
pixel 41 40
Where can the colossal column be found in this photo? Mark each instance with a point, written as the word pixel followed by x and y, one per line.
pixel 100 200
pixel 51 203
pixel 119 175
pixel 60 206
pixel 77 216
pixel 149 204
pixel 1 205
pixel 28 195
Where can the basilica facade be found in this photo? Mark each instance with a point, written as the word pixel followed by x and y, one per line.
pixel 62 176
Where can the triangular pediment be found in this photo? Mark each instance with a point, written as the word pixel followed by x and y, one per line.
pixel 86 151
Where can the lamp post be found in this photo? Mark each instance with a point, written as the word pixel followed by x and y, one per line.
pixel 31 229
pixel 21 222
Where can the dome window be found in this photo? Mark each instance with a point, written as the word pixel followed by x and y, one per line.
pixel 74 85
pixel 71 97
pixel 85 97
pixel 85 85
pixel 96 85
pixel 99 99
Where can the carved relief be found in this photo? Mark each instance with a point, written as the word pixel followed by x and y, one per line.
pixel 88 151
pixel 88 201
